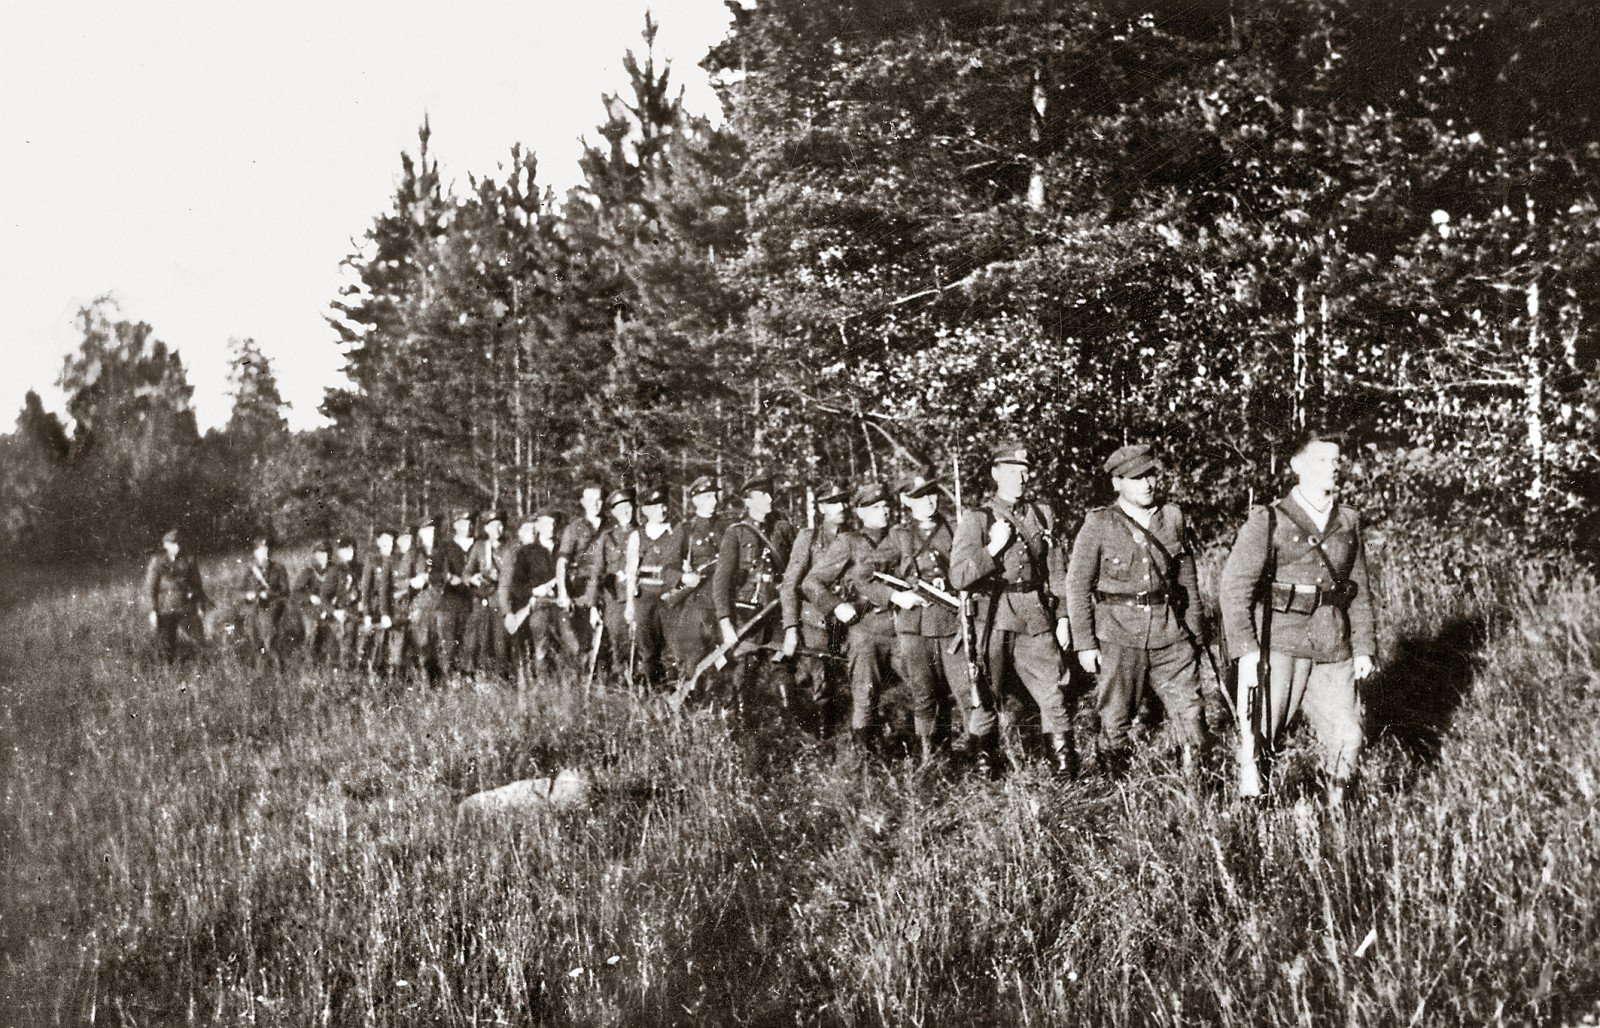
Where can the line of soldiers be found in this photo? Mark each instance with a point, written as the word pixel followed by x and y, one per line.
pixel 977 619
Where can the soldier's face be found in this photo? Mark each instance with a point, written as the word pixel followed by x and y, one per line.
pixel 546 529
pixel 172 549
pixel 874 516
pixel 403 543
pixel 1139 492
pixel 346 554
pixel 758 504
pixel 655 513
pixel 464 528
pixel 1010 479
pixel 494 530
pixel 385 544
pixel 623 512
pixel 527 532
pixel 705 504
pixel 320 558
pixel 923 507
pixel 830 511
pixel 591 502
pixel 1317 467
pixel 263 554
pixel 425 536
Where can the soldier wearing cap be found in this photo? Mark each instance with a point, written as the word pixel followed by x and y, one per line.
pixel 177 596
pixel 341 599
pixel 692 557
pixel 607 596
pixel 1004 553
pixel 927 627
pixel 843 583
pixel 263 597
pixel 750 563
pixel 816 675
pixel 649 553
pixel 377 589
pixel 1133 605
pixel 1296 586
pixel 421 597
pixel 485 646
pixel 316 638
pixel 452 599
pixel 573 558
pixel 531 583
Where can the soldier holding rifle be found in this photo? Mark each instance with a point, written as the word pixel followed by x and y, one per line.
pixel 607 596
pixel 535 621
pixel 308 588
pixel 1133 604
pixel 1297 612
pixel 810 634
pixel 1005 555
pixel 750 565
pixel 263 596
pixel 378 580
pixel 692 558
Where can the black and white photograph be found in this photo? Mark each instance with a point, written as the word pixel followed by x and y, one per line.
pixel 800 512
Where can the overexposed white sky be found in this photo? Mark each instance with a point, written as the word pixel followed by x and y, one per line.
pixel 209 163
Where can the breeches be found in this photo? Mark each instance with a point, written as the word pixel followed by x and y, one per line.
pixel 1127 671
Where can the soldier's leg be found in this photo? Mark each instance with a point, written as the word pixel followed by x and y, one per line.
pixel 919 657
pixel 1118 687
pixel 649 641
pixel 695 636
pixel 958 682
pixel 1332 707
pixel 619 637
pixel 861 658
pixel 1175 677
pixel 1279 698
pixel 1036 659
pixel 445 634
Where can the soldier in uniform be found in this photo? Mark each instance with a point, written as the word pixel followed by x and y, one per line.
pixel 926 627
pixel 177 596
pixel 649 554
pixel 688 586
pixel 378 579
pixel 1005 555
pixel 452 594
pixel 341 600
pixel 607 597
pixel 531 578
pixel 263 597
pixel 1133 605
pixel 486 646
pixel 807 625
pixel 398 652
pixel 420 599
pixel 315 636
pixel 842 582
pixel 573 559
pixel 1295 584
pixel 749 570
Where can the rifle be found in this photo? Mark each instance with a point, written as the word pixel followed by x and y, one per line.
pixel 963 598
pixel 926 588
pixel 1258 698
pixel 718 658
pixel 516 619
pixel 594 653
pixel 681 593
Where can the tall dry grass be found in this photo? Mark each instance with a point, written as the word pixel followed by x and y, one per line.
pixel 213 845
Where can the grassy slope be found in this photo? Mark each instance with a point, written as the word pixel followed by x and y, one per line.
pixel 215 846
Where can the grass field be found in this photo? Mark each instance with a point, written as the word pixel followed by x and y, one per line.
pixel 206 845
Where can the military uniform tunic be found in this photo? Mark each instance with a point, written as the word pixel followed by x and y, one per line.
pixel 263 597
pixel 379 580
pixel 176 595
pixel 695 545
pixel 316 637
pixel 485 646
pixel 1139 606
pixel 749 572
pixel 927 637
pixel 452 602
pixel 844 574
pixel 341 600
pixel 650 619
pixel 607 590
pixel 820 633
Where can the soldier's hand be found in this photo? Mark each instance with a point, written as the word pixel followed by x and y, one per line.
pixel 691 578
pixel 791 642
pixel 386 622
pixel 1063 635
pixel 564 602
pixel 730 636
pixel 845 612
pixel 510 622
pixel 1363 667
pixel 907 599
pixel 1089 660
pixel 316 601
pixel 476 580
pixel 339 616
pixel 250 597
pixel 418 581
pixel 999 536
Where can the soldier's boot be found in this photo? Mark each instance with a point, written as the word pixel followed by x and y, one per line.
pixel 1189 759
pixel 985 750
pixel 1251 783
pixel 1336 792
pixel 1113 761
pixel 1063 757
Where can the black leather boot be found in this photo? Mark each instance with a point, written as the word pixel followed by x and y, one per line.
pixel 985 756
pixel 1063 757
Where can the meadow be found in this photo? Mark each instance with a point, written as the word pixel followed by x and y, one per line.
pixel 208 844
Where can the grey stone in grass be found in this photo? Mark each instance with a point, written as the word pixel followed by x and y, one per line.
pixel 567 790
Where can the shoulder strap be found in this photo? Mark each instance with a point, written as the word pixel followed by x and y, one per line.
pixel 1168 560
pixel 1298 518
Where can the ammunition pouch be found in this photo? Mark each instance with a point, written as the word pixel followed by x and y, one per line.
pixel 1295 598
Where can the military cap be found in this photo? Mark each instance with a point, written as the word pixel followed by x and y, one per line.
pixel 460 514
pixel 869 493
pixel 381 531
pixel 320 546
pixel 758 481
pixel 704 484
pixel 172 535
pixel 652 497
pixel 1010 451
pixel 346 543
pixel 919 484
pixel 491 515
pixel 258 541
pixel 404 530
pixel 831 492
pixel 1132 461
pixel 619 496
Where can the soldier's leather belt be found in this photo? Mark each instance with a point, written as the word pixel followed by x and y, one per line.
pixel 1299 598
pixel 1153 598
pixel 1030 587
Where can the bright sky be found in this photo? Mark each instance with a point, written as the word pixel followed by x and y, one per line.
pixel 209 163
